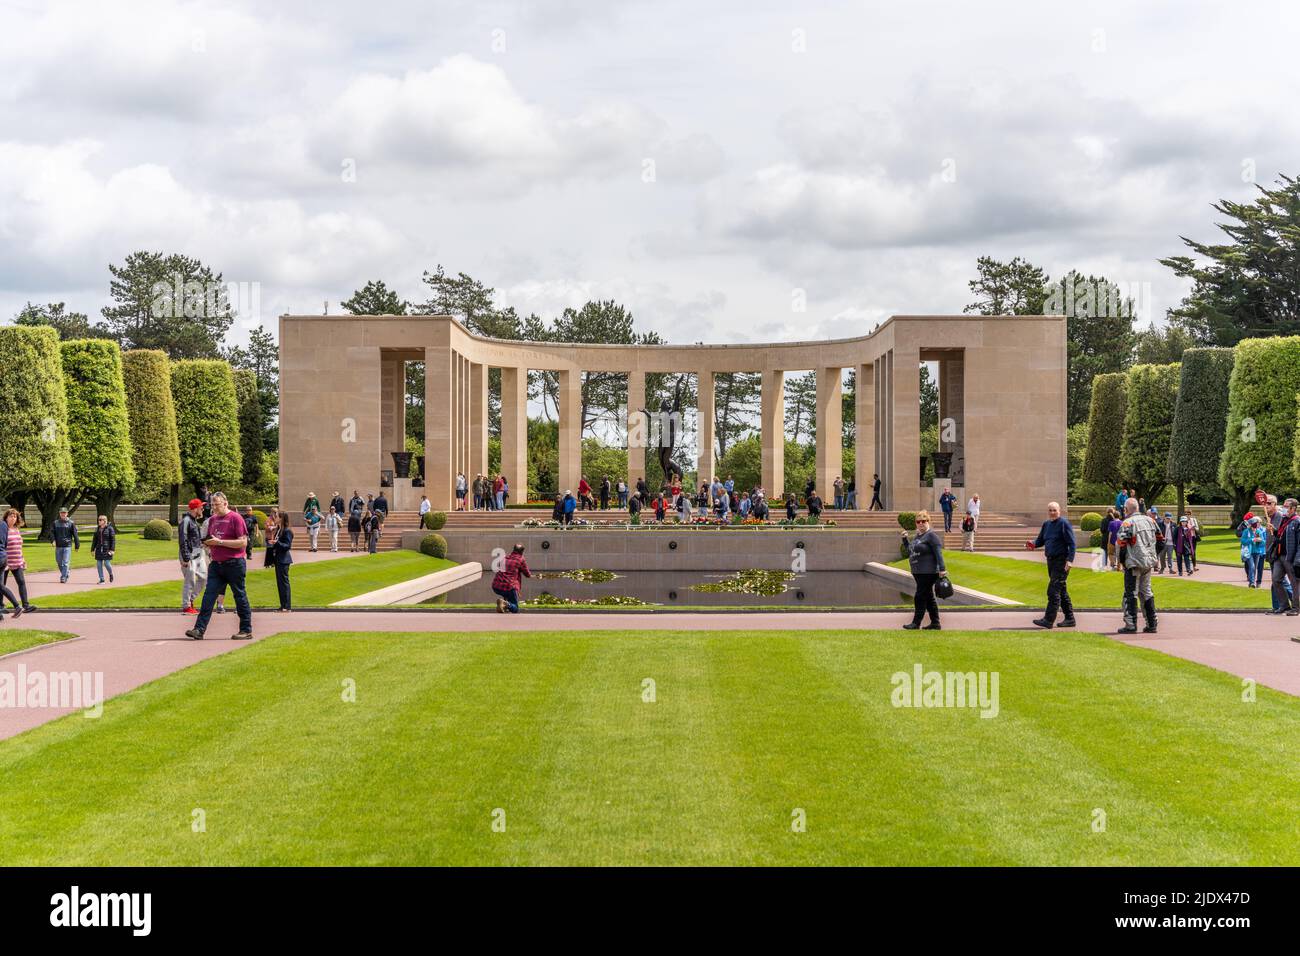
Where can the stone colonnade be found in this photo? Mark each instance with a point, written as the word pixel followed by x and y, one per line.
pixel 1002 388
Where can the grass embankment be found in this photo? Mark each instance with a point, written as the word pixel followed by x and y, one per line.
pixel 20 639
pixel 315 584
pixel 1026 581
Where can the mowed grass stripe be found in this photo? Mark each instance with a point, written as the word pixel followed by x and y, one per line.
pixel 631 780
pixel 799 741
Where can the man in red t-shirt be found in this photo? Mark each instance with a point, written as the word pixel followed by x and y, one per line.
pixel 226 541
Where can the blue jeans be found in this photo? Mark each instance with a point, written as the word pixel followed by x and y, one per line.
pixel 511 598
pixel 501 501
pixel 63 558
pixel 102 565
pixel 1254 569
pixel 221 574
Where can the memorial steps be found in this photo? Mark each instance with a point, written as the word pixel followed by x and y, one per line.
pixel 997 532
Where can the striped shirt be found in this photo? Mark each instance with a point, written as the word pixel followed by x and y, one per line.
pixel 14 550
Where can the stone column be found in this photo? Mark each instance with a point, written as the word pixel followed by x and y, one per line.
pixel 514 432
pixel 704 404
pixel 393 419
pixel 884 434
pixel 952 413
pixel 773 433
pixel 478 417
pixel 830 432
pixel 439 431
pixel 905 428
pixel 638 429
pixel 468 465
pixel 864 431
pixel 570 429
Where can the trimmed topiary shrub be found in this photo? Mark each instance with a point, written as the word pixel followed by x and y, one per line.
pixel 156 453
pixel 434 520
pixel 1258 444
pixel 1148 425
pixel 250 425
pixel 33 410
pixel 260 518
pixel 1200 416
pixel 907 519
pixel 1094 539
pixel 207 422
pixel 434 545
pixel 1106 429
pixel 99 430
pixel 156 530
pixel 1090 521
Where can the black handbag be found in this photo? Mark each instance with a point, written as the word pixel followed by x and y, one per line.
pixel 943 587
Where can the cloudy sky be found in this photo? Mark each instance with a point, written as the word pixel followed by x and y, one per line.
pixel 708 165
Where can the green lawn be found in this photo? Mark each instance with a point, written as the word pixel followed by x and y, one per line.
pixel 17 639
pixel 317 584
pixel 448 730
pixel 131 549
pixel 1026 581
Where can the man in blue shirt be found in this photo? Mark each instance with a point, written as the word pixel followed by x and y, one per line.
pixel 945 503
pixel 1056 538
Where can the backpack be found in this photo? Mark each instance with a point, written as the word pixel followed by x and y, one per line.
pixel 968 523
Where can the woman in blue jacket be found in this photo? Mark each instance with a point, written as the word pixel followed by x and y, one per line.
pixel 1252 550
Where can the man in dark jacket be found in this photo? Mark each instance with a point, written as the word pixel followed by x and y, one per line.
pixel 946 501
pixel 336 502
pixel 381 504
pixel 191 546
pixel 64 536
pixel 1289 551
pixel 1056 538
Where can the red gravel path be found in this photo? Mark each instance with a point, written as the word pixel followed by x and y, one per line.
pixel 134 647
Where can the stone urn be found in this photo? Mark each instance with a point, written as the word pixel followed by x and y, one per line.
pixel 942 463
pixel 402 463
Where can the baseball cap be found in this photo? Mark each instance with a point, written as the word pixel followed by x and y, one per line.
pixel 196 503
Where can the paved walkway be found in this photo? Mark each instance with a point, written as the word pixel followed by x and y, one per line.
pixel 133 647
pixel 44 583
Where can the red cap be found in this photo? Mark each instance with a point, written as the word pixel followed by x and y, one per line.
pixel 196 503
pixel 1247 516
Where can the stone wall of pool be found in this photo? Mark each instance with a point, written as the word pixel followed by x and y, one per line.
pixel 549 549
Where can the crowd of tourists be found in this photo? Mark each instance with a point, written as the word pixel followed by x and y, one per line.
pixel 363 518
pixel 1176 538
pixel 484 493
pixel 720 498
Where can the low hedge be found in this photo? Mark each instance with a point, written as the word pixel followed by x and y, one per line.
pixel 434 520
pixel 1089 521
pixel 156 530
pixel 907 519
pixel 434 545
